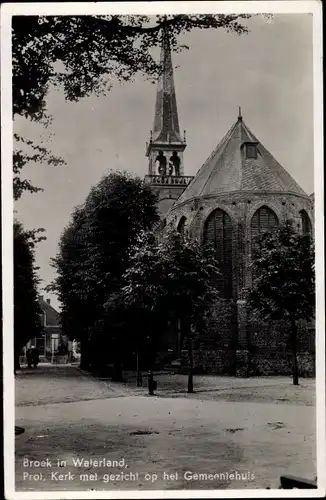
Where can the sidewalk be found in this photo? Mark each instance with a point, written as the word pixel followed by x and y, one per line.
pixel 255 389
pixel 49 384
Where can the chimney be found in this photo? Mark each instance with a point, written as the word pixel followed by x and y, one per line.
pixel 48 301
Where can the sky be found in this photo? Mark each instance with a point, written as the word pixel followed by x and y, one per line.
pixel 268 72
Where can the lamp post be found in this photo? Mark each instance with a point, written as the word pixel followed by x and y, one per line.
pixel 52 349
pixel 152 385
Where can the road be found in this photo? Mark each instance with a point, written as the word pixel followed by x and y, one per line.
pixel 168 441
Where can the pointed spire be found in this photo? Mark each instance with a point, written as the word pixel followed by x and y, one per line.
pixel 240 115
pixel 166 121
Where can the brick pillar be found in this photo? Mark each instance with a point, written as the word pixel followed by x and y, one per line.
pixel 242 353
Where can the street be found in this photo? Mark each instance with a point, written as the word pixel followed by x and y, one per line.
pixel 84 433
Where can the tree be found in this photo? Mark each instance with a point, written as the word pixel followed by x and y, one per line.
pixel 27 311
pixel 27 151
pixel 169 281
pixel 104 48
pixel 283 285
pixel 94 253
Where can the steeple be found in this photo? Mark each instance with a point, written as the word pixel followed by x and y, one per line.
pixel 166 120
pixel 165 147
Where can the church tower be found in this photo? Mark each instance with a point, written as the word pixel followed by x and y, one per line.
pixel 166 146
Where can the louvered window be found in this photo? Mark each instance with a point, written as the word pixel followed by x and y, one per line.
pixel 264 221
pixel 251 151
pixel 305 223
pixel 218 233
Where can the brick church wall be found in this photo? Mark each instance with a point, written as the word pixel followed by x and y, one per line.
pixel 214 345
pixel 240 345
pixel 270 351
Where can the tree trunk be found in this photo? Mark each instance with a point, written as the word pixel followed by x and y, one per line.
pixel 190 359
pixel 117 371
pixel 295 371
pixel 84 355
pixel 139 373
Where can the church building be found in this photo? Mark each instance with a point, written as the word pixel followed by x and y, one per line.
pixel 239 192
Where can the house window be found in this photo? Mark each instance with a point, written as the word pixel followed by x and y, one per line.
pixel 43 318
pixel 251 150
pixel 218 234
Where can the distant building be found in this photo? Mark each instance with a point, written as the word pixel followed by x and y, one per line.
pixel 239 192
pixel 51 337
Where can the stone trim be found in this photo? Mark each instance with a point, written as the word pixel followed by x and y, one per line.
pixel 243 194
pixel 208 211
pixel 259 204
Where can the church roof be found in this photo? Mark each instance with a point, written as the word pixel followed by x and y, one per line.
pixel 228 169
pixel 166 121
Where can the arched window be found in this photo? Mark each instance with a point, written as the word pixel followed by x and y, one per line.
pixel 305 223
pixel 218 233
pixel 182 225
pixel 263 221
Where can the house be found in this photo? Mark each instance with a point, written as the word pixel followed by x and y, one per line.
pixel 51 339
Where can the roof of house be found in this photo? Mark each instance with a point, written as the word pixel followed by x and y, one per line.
pixel 52 316
pixel 227 169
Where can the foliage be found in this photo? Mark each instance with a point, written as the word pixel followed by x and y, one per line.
pixel 104 47
pixel 167 281
pixel 283 280
pixel 21 157
pixel 94 253
pixel 62 347
pixel 283 275
pixel 26 307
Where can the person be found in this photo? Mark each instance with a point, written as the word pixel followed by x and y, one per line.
pixel 32 356
pixel 29 357
pixel 36 357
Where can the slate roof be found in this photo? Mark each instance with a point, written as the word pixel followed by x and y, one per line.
pixel 166 121
pixel 227 169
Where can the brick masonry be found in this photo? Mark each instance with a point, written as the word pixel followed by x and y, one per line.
pixel 236 343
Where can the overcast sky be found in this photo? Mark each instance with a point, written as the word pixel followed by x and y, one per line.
pixel 267 72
